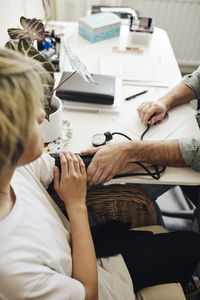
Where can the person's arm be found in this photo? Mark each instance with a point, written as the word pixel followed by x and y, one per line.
pixel 165 153
pixel 113 159
pixel 42 168
pixel 180 94
pixel 71 187
pixel 190 150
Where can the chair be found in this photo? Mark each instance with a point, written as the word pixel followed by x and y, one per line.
pixel 192 199
pixel 127 203
pixel 191 196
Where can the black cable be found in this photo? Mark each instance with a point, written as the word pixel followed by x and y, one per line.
pixel 126 136
pixel 87 159
pixel 148 126
pixel 141 138
pixel 156 174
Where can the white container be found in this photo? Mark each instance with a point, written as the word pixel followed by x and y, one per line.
pixel 53 128
pixel 143 35
pixel 139 38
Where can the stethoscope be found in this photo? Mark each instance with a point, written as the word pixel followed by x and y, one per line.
pixel 100 139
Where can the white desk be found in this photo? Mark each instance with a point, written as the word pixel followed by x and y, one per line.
pixel 85 125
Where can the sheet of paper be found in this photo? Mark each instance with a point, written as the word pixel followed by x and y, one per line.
pixel 135 69
pixel 174 119
pixel 84 126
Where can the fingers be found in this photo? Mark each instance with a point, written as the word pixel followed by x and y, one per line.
pixel 145 111
pixel 98 174
pixel 91 171
pixel 94 179
pixel 141 110
pixel 104 178
pixel 151 111
pixel 63 162
pixel 56 174
pixel 149 115
pixel 71 163
pixel 75 163
pixel 81 165
pixel 157 118
pixel 91 151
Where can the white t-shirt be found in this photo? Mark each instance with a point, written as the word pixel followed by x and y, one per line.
pixel 35 251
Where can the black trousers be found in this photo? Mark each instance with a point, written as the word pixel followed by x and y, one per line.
pixel 166 258
pixel 151 259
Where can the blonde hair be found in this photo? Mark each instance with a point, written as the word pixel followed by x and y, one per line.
pixel 21 94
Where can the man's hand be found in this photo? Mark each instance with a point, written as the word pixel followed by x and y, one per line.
pixel 71 183
pixel 147 109
pixel 106 163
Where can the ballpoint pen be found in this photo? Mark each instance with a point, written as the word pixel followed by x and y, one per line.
pixel 134 96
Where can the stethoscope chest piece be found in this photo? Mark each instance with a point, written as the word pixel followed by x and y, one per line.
pixel 100 139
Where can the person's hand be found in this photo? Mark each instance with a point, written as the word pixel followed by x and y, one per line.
pixel 106 163
pixel 71 184
pixel 154 110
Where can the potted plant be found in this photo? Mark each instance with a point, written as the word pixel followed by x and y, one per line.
pixel 33 30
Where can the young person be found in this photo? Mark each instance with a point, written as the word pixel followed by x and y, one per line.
pixel 42 254
pixel 36 259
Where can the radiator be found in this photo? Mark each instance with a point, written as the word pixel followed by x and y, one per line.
pixel 181 20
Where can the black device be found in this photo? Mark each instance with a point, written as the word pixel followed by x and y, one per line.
pixel 100 139
pixel 85 157
pixel 77 89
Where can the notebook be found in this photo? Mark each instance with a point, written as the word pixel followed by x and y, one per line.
pixel 79 95
pixel 77 89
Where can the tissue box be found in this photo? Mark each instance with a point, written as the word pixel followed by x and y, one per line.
pixel 99 27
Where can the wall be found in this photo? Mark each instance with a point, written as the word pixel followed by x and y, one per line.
pixel 180 18
pixel 175 20
pixel 12 10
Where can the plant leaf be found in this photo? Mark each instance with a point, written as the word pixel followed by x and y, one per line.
pixel 26 49
pixel 33 29
pixel 11 45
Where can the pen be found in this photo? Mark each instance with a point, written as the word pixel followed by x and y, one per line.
pixel 134 96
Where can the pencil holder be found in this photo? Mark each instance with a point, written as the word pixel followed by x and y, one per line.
pixel 143 34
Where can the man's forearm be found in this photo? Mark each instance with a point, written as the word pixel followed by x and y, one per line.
pixel 178 95
pixel 159 152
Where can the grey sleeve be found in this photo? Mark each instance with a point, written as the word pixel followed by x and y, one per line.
pixel 193 81
pixel 190 150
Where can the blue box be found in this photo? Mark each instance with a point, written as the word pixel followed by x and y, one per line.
pixel 99 27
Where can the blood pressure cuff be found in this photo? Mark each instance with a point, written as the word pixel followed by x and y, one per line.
pixel 85 157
